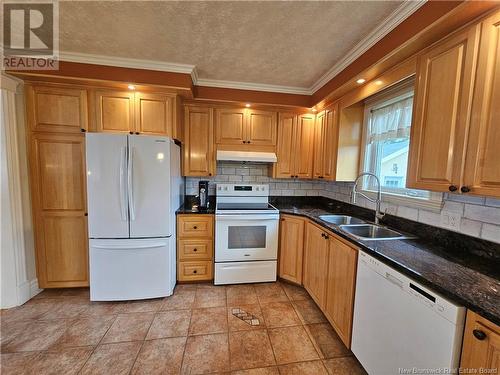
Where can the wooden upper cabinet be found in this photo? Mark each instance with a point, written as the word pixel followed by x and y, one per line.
pixel 199 147
pixel 114 111
pixel 238 126
pixel 57 163
pixel 441 115
pixel 319 145
pixel 316 263
pixel 304 142
pixel 155 114
pixel 482 169
pixel 342 265
pixel 261 128
pixel 56 108
pixel 481 344
pixel 230 126
pixel 330 144
pixel 291 248
pixel 284 167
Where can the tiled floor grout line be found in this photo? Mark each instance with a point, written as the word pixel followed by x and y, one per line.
pixel 142 344
pixel 187 333
pixel 102 338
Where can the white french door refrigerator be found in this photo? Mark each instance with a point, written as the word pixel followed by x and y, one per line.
pixel 133 189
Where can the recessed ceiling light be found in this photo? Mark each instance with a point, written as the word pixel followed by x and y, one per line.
pixel 247 105
pixel 379 82
pixel 361 80
pixel 131 87
pixel 314 109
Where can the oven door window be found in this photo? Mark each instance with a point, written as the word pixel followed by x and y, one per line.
pixel 247 237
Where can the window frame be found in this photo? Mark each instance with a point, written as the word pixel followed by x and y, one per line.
pixel 387 97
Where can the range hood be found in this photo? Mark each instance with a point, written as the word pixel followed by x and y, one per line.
pixel 251 156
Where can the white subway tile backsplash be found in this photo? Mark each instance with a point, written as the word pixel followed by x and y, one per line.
pixel 491 232
pixel 494 202
pixel 453 207
pixel 470 227
pixel 408 213
pixel 482 213
pixel 478 216
pixel 465 198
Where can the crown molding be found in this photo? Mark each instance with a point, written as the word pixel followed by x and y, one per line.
pixel 124 62
pixel 406 9
pixel 253 86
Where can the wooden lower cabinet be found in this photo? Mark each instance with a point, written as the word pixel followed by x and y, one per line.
pixel 291 248
pixel 330 277
pixel 341 282
pixel 481 345
pixel 316 263
pixel 195 247
pixel 58 190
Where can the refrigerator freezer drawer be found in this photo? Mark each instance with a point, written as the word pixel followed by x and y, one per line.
pixel 131 269
pixel 245 272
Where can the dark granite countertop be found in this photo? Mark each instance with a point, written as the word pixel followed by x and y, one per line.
pixel 464 269
pixel 190 206
pixel 465 278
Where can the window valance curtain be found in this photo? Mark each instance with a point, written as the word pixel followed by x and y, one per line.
pixel 391 121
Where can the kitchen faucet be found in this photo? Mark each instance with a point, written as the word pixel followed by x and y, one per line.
pixel 377 201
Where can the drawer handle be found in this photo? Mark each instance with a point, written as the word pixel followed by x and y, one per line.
pixel 452 188
pixel 195 249
pixel 195 227
pixel 195 271
pixel 478 334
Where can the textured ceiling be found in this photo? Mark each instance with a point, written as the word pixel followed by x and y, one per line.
pixel 289 43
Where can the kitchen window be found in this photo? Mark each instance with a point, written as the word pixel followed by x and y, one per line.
pixel 386 147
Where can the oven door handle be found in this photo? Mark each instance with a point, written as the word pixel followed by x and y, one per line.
pixel 243 217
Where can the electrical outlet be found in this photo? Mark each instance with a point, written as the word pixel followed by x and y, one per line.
pixel 451 220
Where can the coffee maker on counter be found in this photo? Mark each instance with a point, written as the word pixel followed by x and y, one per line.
pixel 202 195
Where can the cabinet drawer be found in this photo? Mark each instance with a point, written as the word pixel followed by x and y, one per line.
pixel 195 249
pixel 195 271
pixel 198 226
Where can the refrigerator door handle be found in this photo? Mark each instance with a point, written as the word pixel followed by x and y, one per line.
pixel 125 247
pixel 123 203
pixel 130 181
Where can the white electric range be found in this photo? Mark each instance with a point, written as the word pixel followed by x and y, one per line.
pixel 246 234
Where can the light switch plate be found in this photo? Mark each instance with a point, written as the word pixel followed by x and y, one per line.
pixel 451 220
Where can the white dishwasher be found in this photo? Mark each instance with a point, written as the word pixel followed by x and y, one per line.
pixel 401 327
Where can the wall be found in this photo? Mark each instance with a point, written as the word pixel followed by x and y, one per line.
pixel 477 216
pixel 18 279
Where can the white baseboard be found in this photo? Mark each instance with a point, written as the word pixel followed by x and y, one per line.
pixel 27 291
pixel 23 293
pixel 34 289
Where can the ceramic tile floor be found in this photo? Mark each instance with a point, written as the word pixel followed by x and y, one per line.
pixel 191 332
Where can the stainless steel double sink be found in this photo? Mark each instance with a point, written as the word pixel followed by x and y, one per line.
pixel 363 230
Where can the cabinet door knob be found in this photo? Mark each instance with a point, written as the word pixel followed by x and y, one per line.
pixel 452 188
pixel 323 235
pixel 464 189
pixel 478 334
pixel 195 271
pixel 131 132
pixel 248 142
pixel 326 237
pixel 195 249
pixel 137 133
pixel 210 174
pixel 195 227
pixel 82 130
pixel 86 214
